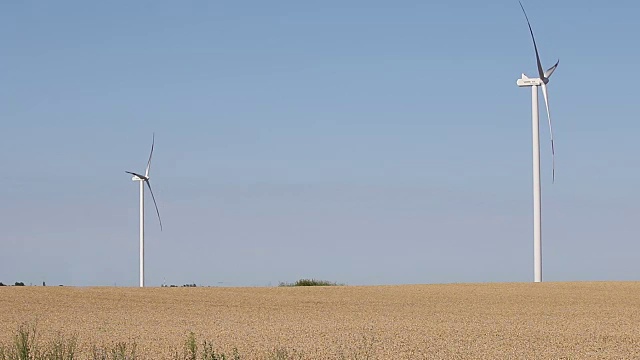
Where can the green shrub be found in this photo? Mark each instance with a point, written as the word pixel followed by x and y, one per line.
pixel 25 343
pixel 119 351
pixel 61 348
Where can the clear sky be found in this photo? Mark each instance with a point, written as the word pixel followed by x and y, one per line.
pixel 364 142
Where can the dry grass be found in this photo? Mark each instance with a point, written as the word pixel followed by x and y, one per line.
pixel 457 321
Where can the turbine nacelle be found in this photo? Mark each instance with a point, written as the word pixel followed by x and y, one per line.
pixel 138 177
pixel 525 81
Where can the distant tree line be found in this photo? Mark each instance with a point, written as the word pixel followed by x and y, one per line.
pixel 20 283
pixel 310 282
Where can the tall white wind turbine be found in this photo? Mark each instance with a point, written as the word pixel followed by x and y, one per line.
pixel 144 179
pixel 534 83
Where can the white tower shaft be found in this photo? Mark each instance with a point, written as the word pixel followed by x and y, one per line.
pixel 141 233
pixel 534 83
pixel 537 206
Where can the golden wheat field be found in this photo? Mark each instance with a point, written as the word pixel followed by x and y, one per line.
pixel 590 320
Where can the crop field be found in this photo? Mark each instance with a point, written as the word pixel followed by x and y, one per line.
pixel 590 320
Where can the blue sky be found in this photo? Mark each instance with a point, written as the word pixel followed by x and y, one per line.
pixel 364 142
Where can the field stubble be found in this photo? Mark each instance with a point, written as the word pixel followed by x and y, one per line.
pixel 453 321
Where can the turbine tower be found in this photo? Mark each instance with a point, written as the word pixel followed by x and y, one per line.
pixel 144 179
pixel 534 83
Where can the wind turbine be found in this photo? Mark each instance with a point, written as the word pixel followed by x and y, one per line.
pixel 534 83
pixel 144 179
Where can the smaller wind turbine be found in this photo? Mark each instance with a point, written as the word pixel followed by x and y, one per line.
pixel 144 179
pixel 534 83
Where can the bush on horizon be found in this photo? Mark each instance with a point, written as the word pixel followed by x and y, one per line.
pixel 309 282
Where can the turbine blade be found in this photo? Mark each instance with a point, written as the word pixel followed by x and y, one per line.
pixel 535 47
pixel 154 203
pixel 135 174
pixel 150 155
pixel 548 73
pixel 553 152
